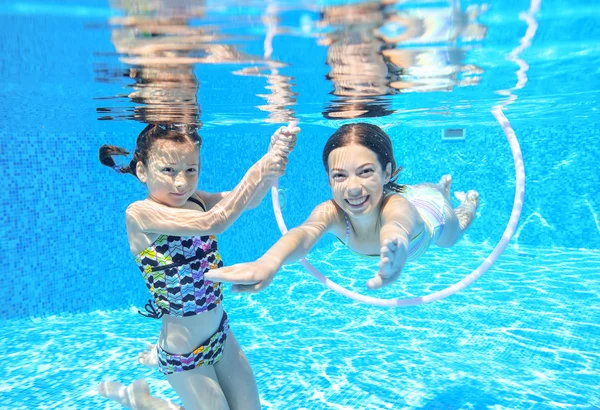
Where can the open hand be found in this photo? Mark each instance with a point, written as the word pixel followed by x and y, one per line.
pixel 391 263
pixel 251 277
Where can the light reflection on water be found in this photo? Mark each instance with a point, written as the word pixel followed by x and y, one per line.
pixel 514 339
pixel 373 52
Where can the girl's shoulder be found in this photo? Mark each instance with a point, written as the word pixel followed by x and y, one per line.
pixel 395 205
pixel 135 212
pixel 332 215
pixel 394 198
pixel 139 206
pixel 395 202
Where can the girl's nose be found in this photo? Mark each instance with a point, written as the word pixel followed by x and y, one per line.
pixel 354 187
pixel 179 180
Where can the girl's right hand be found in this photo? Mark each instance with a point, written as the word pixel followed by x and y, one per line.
pixel 286 135
pixel 282 143
pixel 273 165
pixel 251 277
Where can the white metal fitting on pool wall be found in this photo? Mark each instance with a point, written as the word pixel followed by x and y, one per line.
pixel 454 134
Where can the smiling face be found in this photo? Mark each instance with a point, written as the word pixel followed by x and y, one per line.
pixel 357 178
pixel 171 175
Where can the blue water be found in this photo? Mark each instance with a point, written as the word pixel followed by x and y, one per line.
pixel 524 336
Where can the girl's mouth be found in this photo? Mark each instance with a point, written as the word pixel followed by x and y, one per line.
pixel 357 202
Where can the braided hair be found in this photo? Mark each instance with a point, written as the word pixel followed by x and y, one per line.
pixel 145 142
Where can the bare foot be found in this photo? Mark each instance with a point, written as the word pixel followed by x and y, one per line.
pixel 136 396
pixel 465 212
pixel 446 182
pixel 116 392
pixel 149 357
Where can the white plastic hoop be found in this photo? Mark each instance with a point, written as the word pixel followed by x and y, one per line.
pixel 469 279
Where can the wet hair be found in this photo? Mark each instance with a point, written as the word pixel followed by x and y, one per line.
pixel 369 136
pixel 145 141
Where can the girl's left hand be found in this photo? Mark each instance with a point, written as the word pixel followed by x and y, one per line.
pixel 390 264
pixel 286 137
pixel 251 277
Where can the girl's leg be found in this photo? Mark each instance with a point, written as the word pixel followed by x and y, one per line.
pixel 457 220
pixel 236 377
pixel 136 396
pixel 465 212
pixel 199 389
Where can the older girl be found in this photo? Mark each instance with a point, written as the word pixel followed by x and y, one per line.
pixel 369 212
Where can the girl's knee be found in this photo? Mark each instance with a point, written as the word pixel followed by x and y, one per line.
pixel 451 233
pixel 199 389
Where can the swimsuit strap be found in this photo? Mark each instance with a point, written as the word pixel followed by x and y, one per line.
pixel 347 228
pixel 197 202
pixel 152 312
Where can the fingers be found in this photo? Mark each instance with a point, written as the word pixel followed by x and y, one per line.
pixel 284 146
pixel 375 283
pixel 254 288
pixel 390 246
pixel 285 132
pixel 381 280
pixel 230 274
pixel 384 262
pixel 285 138
pixel 292 131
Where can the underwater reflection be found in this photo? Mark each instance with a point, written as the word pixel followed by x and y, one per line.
pixel 376 50
pixel 281 97
pixel 161 42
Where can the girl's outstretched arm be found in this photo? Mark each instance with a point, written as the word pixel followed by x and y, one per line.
pixel 295 244
pixel 398 221
pixel 151 217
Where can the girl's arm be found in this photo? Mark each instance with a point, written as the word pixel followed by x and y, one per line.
pixel 151 217
pixel 287 136
pixel 298 242
pixel 211 199
pixel 398 221
pixel 294 245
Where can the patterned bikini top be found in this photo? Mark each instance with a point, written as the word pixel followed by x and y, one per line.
pixel 173 268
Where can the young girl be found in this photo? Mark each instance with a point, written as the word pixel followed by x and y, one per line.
pixel 370 213
pixel 172 236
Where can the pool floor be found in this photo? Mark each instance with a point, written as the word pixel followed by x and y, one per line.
pixel 524 336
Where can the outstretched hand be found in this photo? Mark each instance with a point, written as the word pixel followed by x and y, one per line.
pixel 391 262
pixel 251 277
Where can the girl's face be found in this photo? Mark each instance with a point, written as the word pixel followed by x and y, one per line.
pixel 357 179
pixel 172 172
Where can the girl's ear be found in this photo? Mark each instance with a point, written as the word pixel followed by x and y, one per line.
pixel 387 175
pixel 140 171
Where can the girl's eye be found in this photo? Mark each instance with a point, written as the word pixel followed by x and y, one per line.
pixel 367 171
pixel 192 170
pixel 338 177
pixel 168 170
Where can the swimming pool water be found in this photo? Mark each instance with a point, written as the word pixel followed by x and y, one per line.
pixel 524 336
pixel 514 339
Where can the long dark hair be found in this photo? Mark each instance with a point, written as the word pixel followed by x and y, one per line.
pixel 145 142
pixel 369 136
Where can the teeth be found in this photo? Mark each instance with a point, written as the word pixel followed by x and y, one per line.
pixel 356 201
